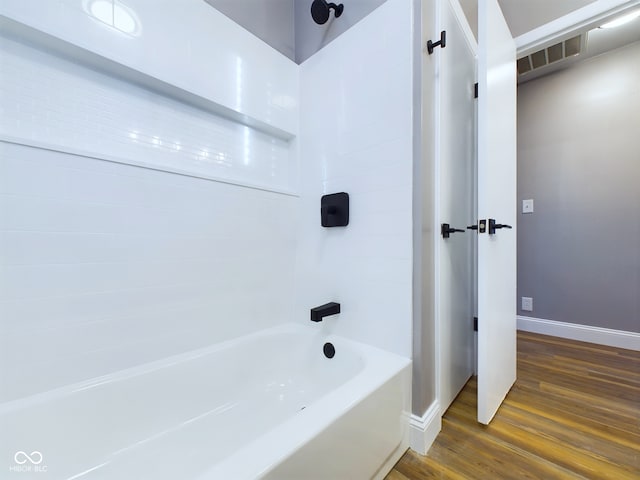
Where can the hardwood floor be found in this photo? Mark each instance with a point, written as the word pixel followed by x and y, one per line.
pixel 574 412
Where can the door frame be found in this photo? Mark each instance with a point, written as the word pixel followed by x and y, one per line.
pixel 473 46
pixel 426 419
pixel 583 18
pixel 565 26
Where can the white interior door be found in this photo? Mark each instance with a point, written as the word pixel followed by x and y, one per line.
pixel 456 76
pixel 496 200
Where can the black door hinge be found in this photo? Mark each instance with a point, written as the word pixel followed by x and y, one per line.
pixel 475 90
pixel 475 324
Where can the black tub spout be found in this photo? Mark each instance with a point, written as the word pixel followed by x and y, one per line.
pixel 318 313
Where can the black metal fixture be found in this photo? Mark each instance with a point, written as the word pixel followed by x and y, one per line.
pixel 318 313
pixel 329 350
pixel 440 43
pixel 493 226
pixel 320 10
pixel 446 230
pixel 481 227
pixel 334 210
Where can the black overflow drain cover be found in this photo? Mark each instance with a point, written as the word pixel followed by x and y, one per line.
pixel 329 350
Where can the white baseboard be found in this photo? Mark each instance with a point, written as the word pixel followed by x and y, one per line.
pixel 425 429
pixel 583 333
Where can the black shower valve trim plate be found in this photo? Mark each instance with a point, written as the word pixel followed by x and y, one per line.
pixel 334 210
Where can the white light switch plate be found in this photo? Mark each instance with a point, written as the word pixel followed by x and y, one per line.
pixel 527 206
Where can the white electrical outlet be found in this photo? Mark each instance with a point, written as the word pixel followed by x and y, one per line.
pixel 527 206
pixel 527 304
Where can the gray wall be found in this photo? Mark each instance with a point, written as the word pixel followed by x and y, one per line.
pixel 311 37
pixel 287 25
pixel 270 20
pixel 579 159
pixel 470 9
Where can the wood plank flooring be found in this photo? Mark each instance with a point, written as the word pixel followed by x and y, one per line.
pixel 574 412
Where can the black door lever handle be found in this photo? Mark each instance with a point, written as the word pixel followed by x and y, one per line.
pixel 493 226
pixel 472 227
pixel 446 230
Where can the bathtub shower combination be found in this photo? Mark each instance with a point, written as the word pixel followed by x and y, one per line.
pixel 162 246
pixel 293 416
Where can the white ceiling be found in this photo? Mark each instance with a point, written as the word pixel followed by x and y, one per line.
pixel 524 15
pixel 602 40
pixel 598 41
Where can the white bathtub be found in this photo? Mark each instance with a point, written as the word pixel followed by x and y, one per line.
pixel 269 405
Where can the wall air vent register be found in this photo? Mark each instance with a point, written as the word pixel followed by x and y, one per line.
pixel 550 55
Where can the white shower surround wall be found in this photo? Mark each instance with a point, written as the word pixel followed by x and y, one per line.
pixel 185 44
pixel 105 265
pixel 355 136
pixel 57 104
